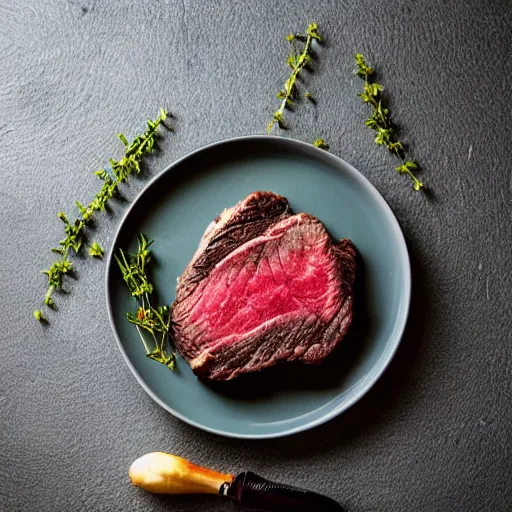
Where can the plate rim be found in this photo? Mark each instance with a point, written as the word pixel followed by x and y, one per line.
pixel 402 322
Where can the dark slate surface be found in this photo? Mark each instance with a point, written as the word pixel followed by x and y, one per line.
pixel 435 433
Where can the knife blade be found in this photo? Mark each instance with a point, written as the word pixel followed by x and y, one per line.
pixel 254 492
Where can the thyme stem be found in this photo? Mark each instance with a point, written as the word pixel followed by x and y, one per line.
pixel 297 63
pixel 380 120
pixel 75 230
pixel 149 318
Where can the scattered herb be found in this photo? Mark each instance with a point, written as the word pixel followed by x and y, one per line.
pixel 297 61
pixel 310 97
pixel 320 143
pixel 96 251
pixel 155 320
pixel 38 315
pixel 76 237
pixel 380 120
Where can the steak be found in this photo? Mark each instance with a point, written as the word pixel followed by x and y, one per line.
pixel 265 285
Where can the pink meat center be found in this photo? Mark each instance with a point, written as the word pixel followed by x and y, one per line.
pixel 264 280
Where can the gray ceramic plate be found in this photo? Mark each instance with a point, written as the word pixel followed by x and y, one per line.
pixel 175 208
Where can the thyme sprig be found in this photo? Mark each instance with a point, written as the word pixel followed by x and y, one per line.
pixel 380 120
pixel 75 230
pixel 153 319
pixel 297 62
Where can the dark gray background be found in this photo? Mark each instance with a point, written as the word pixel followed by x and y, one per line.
pixel 435 432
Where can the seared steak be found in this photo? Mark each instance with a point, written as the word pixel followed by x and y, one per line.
pixel 264 286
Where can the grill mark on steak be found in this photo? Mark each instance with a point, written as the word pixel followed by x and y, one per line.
pixel 264 286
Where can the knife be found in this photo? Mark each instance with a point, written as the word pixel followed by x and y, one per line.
pixel 164 473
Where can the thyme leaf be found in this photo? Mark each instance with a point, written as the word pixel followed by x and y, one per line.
pixel 96 251
pixel 320 143
pixel 38 315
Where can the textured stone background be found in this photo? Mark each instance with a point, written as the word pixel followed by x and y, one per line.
pixel 435 433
